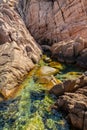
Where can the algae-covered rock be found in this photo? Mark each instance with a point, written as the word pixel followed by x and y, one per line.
pixel 70 75
pixel 48 81
pixel 46 59
pixel 56 65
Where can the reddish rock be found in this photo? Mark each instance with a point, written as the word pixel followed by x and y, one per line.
pixel 55 20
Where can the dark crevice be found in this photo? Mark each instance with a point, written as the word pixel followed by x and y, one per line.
pixel 61 11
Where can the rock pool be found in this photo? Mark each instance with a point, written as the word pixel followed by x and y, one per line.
pixel 31 109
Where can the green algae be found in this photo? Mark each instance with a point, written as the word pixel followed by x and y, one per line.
pixel 31 108
pixel 70 72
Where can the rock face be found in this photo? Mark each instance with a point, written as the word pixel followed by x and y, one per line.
pixel 73 100
pixel 76 105
pixel 55 20
pixel 18 50
pixel 72 51
pixel 49 21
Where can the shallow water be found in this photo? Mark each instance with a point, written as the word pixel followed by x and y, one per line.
pixel 31 108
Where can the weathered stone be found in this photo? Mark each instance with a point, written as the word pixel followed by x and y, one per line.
pixel 69 85
pixel 15 60
pixel 76 106
pixel 48 81
pixel 85 120
pixel 54 20
pixel 58 89
pixel 72 51
pixel 82 59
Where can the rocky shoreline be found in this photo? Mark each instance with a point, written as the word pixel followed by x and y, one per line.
pixel 73 100
pixel 65 38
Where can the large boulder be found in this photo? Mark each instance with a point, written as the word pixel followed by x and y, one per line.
pixel 69 85
pixel 18 51
pixel 54 20
pixel 73 101
pixel 75 104
pixel 71 51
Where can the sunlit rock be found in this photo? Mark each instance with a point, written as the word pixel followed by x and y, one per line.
pixel 46 70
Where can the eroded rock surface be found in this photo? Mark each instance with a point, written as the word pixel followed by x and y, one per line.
pixel 18 50
pixel 71 51
pixel 76 105
pixel 69 85
pixel 55 20
pixel 74 100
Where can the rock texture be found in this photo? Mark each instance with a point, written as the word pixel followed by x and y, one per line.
pixel 18 50
pixel 55 20
pixel 76 105
pixel 69 85
pixel 71 51
pixel 73 100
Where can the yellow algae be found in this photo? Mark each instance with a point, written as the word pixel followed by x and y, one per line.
pixel 46 59
pixel 61 122
pixel 56 65
pixel 27 78
pixel 35 123
pixel 74 73
pixel 48 81
pixel 70 75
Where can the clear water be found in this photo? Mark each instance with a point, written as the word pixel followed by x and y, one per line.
pixel 31 108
